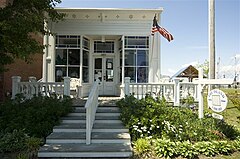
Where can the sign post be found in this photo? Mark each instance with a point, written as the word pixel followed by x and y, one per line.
pixel 219 99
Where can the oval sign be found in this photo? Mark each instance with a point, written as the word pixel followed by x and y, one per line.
pixel 217 100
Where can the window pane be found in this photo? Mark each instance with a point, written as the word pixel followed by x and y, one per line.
pixel 103 47
pixel 61 57
pixel 67 41
pixel 142 58
pixel 85 76
pixel 109 69
pixel 60 73
pixel 86 43
pixel 130 59
pixel 73 72
pixel 130 72
pixel 74 57
pixel 142 75
pixel 136 42
pixel 85 57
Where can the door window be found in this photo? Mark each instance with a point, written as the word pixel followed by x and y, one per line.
pixel 109 70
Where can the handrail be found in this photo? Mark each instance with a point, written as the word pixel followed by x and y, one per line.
pixel 91 107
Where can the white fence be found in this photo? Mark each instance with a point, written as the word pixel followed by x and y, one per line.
pixel 171 91
pixel 34 88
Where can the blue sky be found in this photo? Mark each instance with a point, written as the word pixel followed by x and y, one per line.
pixel 187 21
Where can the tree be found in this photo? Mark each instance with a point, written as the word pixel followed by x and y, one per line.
pixel 19 23
pixel 204 66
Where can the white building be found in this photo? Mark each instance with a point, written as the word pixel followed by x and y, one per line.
pixel 108 44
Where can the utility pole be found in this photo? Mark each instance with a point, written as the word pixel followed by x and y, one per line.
pixel 211 38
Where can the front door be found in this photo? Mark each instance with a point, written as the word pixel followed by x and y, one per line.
pixel 103 70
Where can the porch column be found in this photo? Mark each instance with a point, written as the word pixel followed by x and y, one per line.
pixel 155 58
pixel 51 59
pixel 49 54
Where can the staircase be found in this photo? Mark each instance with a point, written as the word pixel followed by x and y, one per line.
pixel 110 139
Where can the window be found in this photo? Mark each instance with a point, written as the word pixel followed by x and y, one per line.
pixel 68 41
pixel 136 42
pixel 68 57
pixel 136 59
pixel 85 61
pixel 103 47
pixel 85 69
pixel 67 63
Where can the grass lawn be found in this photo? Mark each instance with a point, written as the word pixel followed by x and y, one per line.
pixel 231 113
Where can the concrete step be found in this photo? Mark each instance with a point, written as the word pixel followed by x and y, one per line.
pixel 97 127
pixel 80 120
pixel 96 118
pixel 83 150
pixel 97 114
pixel 96 137
pixel 99 110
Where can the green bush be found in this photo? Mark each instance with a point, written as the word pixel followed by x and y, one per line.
pixel 36 116
pixel 23 123
pixel 175 131
pixel 12 142
pixel 142 146
pixel 153 118
pixel 165 148
pixel 168 149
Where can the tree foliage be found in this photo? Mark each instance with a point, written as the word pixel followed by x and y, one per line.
pixel 19 23
pixel 204 66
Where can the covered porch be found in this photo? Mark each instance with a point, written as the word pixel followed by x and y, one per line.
pixel 104 44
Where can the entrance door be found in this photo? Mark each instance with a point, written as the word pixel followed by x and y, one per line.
pixel 103 70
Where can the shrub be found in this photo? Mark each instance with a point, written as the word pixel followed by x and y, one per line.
pixel 166 148
pixel 23 123
pixel 142 146
pixel 12 142
pixel 36 116
pixel 153 118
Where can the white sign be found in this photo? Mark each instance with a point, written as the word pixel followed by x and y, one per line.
pixel 217 116
pixel 217 100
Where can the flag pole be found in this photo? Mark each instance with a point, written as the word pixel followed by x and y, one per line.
pixel 211 27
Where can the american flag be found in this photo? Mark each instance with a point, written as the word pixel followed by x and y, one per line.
pixel 161 30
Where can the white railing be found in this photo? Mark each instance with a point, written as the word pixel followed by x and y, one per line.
pixel 188 89
pixel 139 90
pixel 31 89
pixel 171 91
pixel 91 107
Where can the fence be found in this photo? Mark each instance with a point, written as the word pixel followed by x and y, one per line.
pixel 34 88
pixel 171 91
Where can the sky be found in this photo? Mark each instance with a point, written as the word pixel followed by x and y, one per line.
pixel 187 21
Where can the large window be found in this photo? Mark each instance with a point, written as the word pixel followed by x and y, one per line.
pixel 68 57
pixel 67 63
pixel 136 59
